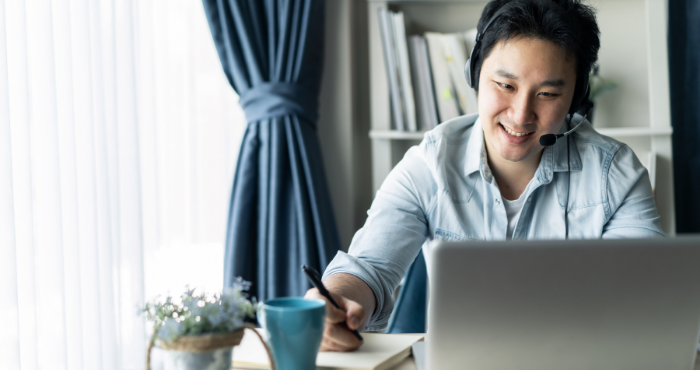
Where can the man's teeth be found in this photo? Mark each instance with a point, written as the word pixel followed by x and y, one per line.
pixel 515 133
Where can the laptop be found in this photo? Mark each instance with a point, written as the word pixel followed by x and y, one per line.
pixel 577 304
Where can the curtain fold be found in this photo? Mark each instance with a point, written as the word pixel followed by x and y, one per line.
pixel 684 73
pixel 280 212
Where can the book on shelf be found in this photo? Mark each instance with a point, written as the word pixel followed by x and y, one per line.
pixel 469 38
pixel 447 106
pixel 426 111
pixel 390 60
pixel 456 48
pixel 448 55
pixel 406 85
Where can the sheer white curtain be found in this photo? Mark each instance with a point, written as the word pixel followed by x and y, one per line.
pixel 118 139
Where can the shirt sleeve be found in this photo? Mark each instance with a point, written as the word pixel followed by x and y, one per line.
pixel 384 248
pixel 631 210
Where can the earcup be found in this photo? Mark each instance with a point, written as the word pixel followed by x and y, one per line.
pixel 582 94
pixel 468 73
pixel 471 64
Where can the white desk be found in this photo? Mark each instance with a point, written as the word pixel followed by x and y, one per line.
pixel 409 364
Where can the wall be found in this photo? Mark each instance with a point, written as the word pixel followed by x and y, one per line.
pixel 344 115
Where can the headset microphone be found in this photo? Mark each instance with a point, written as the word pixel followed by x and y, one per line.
pixel 551 139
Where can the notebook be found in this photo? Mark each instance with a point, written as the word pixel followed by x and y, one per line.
pixel 379 352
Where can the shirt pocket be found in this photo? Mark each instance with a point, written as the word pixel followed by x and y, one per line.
pixel 442 234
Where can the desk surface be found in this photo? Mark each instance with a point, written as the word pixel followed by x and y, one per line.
pixel 409 364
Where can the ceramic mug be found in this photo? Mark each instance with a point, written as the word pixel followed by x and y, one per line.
pixel 294 327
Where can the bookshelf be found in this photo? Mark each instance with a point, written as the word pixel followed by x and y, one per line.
pixel 633 53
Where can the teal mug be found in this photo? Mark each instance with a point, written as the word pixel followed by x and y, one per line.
pixel 294 327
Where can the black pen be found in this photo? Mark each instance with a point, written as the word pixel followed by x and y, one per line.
pixel 315 279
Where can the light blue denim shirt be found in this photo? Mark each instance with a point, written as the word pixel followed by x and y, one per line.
pixel 444 189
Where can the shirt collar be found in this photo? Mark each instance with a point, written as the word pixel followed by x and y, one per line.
pixel 559 160
pixel 553 157
pixel 476 154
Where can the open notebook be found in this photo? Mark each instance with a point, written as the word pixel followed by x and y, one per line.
pixel 379 352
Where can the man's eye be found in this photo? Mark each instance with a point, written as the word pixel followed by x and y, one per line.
pixel 506 86
pixel 548 95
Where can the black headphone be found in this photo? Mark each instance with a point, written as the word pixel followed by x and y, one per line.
pixel 582 90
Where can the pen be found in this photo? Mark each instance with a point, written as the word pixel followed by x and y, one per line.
pixel 315 279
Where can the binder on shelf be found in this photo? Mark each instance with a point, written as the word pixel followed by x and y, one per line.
pixel 447 105
pixel 469 37
pixel 456 57
pixel 390 60
pixel 426 111
pixel 404 67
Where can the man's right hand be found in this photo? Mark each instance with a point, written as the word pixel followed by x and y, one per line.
pixel 336 335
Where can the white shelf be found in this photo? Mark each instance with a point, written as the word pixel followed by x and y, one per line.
pixel 395 135
pixel 635 131
pixel 607 131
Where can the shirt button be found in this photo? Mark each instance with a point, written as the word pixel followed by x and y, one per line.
pixel 498 201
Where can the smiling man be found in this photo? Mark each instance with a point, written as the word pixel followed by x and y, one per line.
pixel 487 177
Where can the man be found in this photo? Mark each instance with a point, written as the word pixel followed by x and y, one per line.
pixel 489 178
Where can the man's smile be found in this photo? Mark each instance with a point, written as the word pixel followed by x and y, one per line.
pixel 514 133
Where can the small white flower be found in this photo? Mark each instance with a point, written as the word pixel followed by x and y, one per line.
pixel 170 330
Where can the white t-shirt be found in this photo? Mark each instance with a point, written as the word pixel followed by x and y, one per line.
pixel 513 209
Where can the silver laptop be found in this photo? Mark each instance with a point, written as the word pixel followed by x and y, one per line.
pixel 546 305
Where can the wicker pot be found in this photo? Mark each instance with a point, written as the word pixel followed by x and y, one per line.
pixel 218 359
pixel 211 351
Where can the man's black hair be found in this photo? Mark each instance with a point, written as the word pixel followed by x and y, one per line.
pixel 567 23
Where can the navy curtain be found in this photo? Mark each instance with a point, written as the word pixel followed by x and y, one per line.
pixel 280 215
pixel 684 66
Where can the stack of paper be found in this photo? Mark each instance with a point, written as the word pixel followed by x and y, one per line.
pixel 378 352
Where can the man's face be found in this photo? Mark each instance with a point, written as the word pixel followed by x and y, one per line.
pixel 525 89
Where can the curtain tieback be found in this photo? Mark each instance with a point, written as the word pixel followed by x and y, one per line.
pixel 275 99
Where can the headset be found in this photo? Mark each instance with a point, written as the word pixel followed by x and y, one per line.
pixel 580 101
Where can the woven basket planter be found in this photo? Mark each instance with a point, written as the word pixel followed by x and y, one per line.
pixel 211 351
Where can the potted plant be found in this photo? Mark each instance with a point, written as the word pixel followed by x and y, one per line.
pixel 598 85
pixel 199 331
